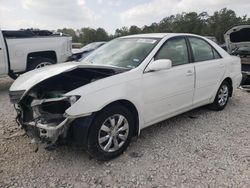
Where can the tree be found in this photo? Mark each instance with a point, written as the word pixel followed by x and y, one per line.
pixel 101 35
pixel 87 35
pixel 166 24
pixel 221 21
pixel 70 32
pixel 134 30
pixel 191 22
pixel 153 28
pixel 121 32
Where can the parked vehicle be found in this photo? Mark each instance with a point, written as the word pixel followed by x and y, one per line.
pixel 130 83
pixel 238 43
pixel 78 54
pixel 76 45
pixel 25 50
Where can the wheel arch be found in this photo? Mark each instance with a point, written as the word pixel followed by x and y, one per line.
pixel 130 106
pixel 229 80
pixel 42 54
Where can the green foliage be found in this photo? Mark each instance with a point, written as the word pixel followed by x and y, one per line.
pixel 70 32
pixel 191 22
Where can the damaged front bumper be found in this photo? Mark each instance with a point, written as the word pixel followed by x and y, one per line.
pixel 48 133
pixel 44 119
pixel 75 129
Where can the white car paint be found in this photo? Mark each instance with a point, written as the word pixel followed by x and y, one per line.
pixel 156 95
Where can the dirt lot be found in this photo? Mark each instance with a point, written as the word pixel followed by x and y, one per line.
pixel 200 148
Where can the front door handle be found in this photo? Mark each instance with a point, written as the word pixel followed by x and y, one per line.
pixel 189 73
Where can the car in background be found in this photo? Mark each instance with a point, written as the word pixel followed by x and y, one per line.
pixel 76 45
pixel 123 87
pixel 25 50
pixel 83 52
pixel 238 43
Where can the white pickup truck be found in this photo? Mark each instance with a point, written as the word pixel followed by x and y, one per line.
pixel 25 50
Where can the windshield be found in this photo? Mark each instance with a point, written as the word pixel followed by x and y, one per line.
pixel 123 52
pixel 92 45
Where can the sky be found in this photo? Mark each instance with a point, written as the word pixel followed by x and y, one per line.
pixel 108 14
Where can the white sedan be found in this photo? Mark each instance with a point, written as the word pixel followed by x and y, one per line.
pixel 124 86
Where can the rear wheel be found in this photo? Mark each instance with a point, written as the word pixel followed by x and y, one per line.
pixel 39 63
pixel 110 133
pixel 222 97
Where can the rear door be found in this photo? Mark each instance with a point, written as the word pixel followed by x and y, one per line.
pixel 3 58
pixel 209 68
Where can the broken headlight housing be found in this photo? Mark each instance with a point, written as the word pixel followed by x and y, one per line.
pixel 15 96
pixel 73 99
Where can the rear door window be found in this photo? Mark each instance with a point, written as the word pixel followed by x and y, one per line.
pixel 202 51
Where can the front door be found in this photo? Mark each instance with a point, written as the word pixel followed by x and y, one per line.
pixel 166 92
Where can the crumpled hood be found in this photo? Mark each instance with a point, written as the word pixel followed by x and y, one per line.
pixel 28 80
pixel 31 78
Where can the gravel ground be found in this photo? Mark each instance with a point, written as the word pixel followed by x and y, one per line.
pixel 200 148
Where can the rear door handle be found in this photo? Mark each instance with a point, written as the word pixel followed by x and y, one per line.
pixel 189 73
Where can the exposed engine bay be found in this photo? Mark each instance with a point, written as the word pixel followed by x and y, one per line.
pixel 41 112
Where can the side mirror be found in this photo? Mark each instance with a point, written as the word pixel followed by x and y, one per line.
pixel 160 64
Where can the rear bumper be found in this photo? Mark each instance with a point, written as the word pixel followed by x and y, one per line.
pixel 237 81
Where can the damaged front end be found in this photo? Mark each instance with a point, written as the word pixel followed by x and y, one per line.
pixel 238 43
pixel 43 117
pixel 41 110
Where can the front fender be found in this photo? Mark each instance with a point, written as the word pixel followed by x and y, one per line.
pixel 96 101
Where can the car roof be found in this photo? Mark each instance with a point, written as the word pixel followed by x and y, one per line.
pixel 158 35
pixel 149 35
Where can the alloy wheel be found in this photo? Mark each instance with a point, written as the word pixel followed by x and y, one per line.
pixel 43 64
pixel 113 133
pixel 223 95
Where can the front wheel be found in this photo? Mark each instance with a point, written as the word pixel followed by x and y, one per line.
pixel 110 133
pixel 222 97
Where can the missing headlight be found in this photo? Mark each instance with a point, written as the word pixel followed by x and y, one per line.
pixel 15 96
pixel 73 99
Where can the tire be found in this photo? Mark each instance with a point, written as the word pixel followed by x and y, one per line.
pixel 222 97
pixel 39 63
pixel 102 137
